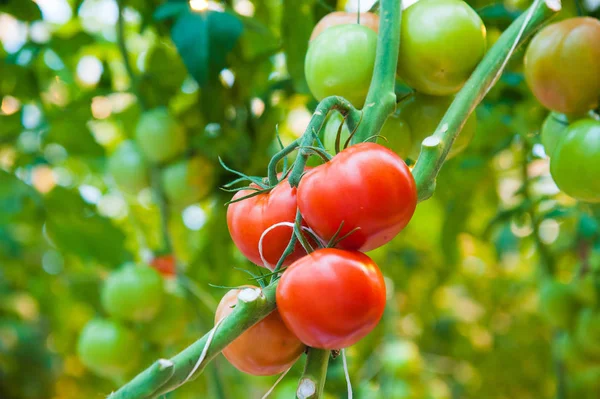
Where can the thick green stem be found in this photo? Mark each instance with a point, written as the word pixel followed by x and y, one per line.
pixel 381 99
pixel 435 148
pixel 272 168
pixel 312 382
pixel 154 381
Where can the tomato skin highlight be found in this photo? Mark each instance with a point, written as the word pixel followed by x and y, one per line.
pixel 335 18
pixel 267 348
pixel 562 65
pixel 331 298
pixel 249 218
pixel 366 186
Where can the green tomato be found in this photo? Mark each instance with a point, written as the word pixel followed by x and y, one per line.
pixel 159 135
pixel 188 181
pixel 108 349
pixel 128 167
pixel 169 325
pixel 331 128
pixel 441 43
pixel 134 293
pixel 340 62
pixel 587 331
pixel 558 304
pixel 553 129
pixel 562 65
pixel 423 113
pixel 396 135
pixel 575 165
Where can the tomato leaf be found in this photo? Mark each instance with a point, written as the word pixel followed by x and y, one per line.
pixel 25 10
pixel 170 10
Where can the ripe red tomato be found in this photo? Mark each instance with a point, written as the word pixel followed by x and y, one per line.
pixel 165 265
pixel 267 348
pixel 331 298
pixel 366 186
pixel 248 219
pixel 367 19
pixel 562 65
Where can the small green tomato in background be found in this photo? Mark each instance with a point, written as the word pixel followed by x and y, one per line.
pixel 159 136
pixel 553 129
pixel 108 349
pixel 188 181
pixel 441 43
pixel 169 325
pixel 134 293
pixel 423 114
pixel 575 162
pixel 558 304
pixel 128 167
pixel 396 135
pixel 340 62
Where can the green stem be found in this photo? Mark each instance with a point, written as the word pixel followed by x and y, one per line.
pixel 152 382
pixel 312 382
pixel 272 168
pixel 381 99
pixel 435 148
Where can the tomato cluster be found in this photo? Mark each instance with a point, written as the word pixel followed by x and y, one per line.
pixel 134 296
pixel 441 43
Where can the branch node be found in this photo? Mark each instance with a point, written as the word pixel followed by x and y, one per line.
pixel 165 364
pixel 248 295
pixel 432 141
pixel 306 389
pixel 554 5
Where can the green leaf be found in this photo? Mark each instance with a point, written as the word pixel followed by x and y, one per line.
pixel 75 227
pixel 165 73
pixel 10 127
pixel 18 81
pixel 296 26
pixel 15 196
pixel 25 10
pixel 170 10
pixel 204 40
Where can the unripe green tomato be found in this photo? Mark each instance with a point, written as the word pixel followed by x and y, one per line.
pixel 553 129
pixel 133 293
pixel 108 349
pixel 340 62
pixel 188 181
pixel 558 304
pixel 562 65
pixel 128 167
pixel 575 162
pixel 331 128
pixel 396 135
pixel 169 325
pixel 441 43
pixel 159 136
pixel 402 358
pixel 423 114
pixel 587 331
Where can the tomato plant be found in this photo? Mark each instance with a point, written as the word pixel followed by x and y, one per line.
pixel 562 65
pixel 367 19
pixel 169 325
pixel 134 292
pixel 442 41
pixel 188 181
pixel 558 304
pixel 351 308
pixel 553 130
pixel 337 46
pixel 574 164
pixel 108 348
pixel 248 220
pixel 328 202
pixel 267 348
pixel 159 136
pixel 128 167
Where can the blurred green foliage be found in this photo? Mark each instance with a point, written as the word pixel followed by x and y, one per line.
pixel 462 318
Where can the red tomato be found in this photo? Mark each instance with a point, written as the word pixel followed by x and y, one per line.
pixel 331 298
pixel 267 348
pixel 366 186
pixel 165 265
pixel 248 219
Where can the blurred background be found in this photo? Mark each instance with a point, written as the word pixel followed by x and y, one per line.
pixel 462 319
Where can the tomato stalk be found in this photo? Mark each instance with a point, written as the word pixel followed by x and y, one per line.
pixel 312 382
pixel 435 148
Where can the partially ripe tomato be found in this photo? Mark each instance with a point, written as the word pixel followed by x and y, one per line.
pixel 441 43
pixel 558 304
pixel 366 186
pixel 423 114
pixel 331 298
pixel 134 293
pixel 250 218
pixel 267 348
pixel 340 62
pixel 575 165
pixel 188 181
pixel 128 167
pixel 553 129
pixel 367 19
pixel 159 135
pixel 108 348
pixel 165 265
pixel 562 65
